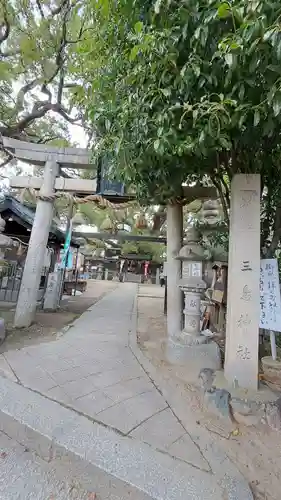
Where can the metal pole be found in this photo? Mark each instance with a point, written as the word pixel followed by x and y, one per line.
pixel 273 345
pixel 76 271
pixel 69 217
pixel 165 297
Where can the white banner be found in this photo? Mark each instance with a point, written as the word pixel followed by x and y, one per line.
pixel 270 303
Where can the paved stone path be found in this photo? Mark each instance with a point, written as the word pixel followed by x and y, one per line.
pixel 92 370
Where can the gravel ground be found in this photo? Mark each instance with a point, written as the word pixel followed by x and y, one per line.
pixel 256 451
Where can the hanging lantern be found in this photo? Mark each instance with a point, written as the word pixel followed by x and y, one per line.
pixel 141 222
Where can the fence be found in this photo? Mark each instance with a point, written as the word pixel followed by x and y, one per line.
pixel 10 282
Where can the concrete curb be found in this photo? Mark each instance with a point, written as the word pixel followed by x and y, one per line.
pixel 222 467
pixel 58 434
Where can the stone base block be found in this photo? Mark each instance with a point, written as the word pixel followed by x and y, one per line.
pixel 272 370
pixel 195 357
pixel 190 340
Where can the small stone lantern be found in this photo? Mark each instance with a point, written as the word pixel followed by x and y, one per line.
pixel 192 285
pixel 190 348
pixel 5 241
pixel 5 244
pixel 211 212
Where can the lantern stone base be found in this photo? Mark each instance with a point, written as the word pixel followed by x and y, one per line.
pixel 195 356
pixel 189 339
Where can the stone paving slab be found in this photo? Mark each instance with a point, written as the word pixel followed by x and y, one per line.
pixel 54 432
pixel 164 432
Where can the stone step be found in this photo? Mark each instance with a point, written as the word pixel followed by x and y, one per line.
pixel 101 458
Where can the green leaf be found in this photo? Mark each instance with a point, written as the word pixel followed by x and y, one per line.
pixel 196 70
pixel 268 128
pixel 257 117
pixel 268 34
pixel 138 27
pixel 197 33
pixel 278 52
pixel 241 92
pixel 156 145
pixel 253 64
pixel 195 114
pixel 166 92
pixel 157 6
pixel 277 105
pixel 241 120
pixel 202 136
pixel 224 10
pixel 134 52
pixel 225 143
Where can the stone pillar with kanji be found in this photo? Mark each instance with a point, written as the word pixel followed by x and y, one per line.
pixel 243 296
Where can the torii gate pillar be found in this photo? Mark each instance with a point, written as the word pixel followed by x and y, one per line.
pixel 27 300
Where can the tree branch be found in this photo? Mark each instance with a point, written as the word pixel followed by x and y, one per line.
pixel 61 86
pixel 38 3
pixel 47 92
pixel 276 233
pixel 47 139
pixel 58 9
pixel 222 198
pixel 5 27
pixel 227 194
pixel 59 109
pixel 6 161
pixel 23 91
pixel 39 111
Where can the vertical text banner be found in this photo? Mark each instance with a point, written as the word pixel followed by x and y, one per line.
pixel 66 247
pixel 270 316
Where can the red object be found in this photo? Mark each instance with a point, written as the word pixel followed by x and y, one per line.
pixel 146 268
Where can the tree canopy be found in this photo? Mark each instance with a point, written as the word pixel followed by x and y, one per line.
pixel 174 91
pixel 38 42
pixel 191 81
pixel 179 91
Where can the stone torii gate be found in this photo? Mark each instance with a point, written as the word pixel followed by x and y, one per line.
pixel 241 363
pixel 51 158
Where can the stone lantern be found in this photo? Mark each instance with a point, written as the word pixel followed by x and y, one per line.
pixel 100 271
pixel 5 241
pixel 190 347
pixel 5 244
pixel 193 286
pixel 211 212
